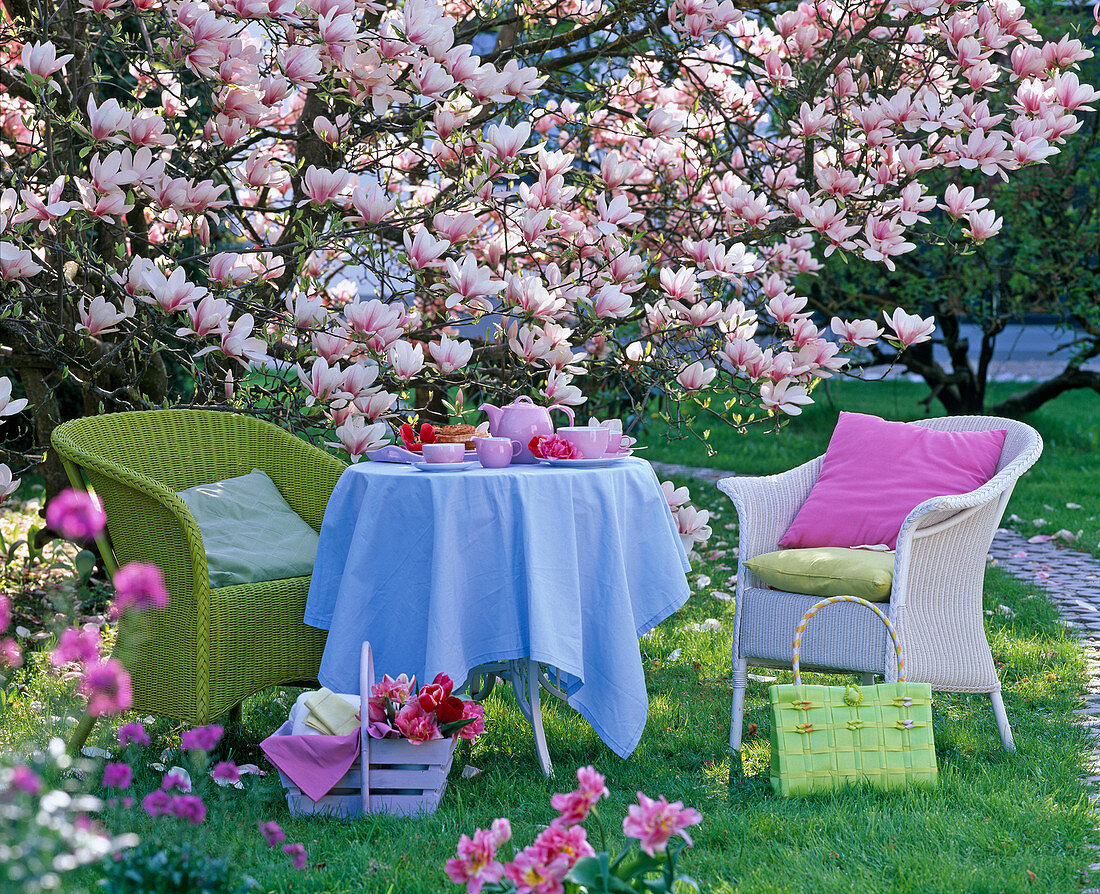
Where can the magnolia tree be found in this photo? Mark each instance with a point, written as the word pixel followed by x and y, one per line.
pixel 342 213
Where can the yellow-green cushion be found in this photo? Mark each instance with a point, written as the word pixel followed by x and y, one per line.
pixel 828 571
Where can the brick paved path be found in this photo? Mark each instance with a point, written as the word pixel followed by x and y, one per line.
pixel 1072 581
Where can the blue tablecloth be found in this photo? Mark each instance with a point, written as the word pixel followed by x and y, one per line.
pixel 446 571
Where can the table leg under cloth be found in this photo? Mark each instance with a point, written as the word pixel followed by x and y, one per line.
pixel 526 677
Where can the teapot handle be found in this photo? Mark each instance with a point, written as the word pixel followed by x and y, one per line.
pixel 566 410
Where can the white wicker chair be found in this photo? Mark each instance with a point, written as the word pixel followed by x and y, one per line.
pixel 936 599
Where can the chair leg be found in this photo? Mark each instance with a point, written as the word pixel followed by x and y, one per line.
pixel 737 714
pixel 1003 726
pixel 81 733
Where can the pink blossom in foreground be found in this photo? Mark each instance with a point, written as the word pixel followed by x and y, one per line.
pixel 117 775
pixel 784 396
pixel 201 738
pixel 157 803
pixel 858 333
pixel 273 833
pixel 139 586
pixel 133 733
pixel 653 823
pixel 76 515
pixel 297 853
pixel 17 263
pixel 24 779
pixel 226 771
pixel 476 712
pixel 106 685
pixel 76 644
pixel 5 613
pixel 188 807
pixel 573 807
pixel 101 317
pixel 476 864
pixel 10 653
pixel 568 841
pixel 695 376
pixel 534 874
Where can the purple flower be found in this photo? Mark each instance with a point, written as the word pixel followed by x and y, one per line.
pixel 176 778
pixel 117 776
pixel 157 803
pixel 273 833
pixel 10 653
pixel 138 585
pixel 106 685
pixel 76 514
pixel 190 808
pixel 76 644
pixel 24 779
pixel 297 854
pixel 226 770
pixel 201 738
pixel 5 613
pixel 133 732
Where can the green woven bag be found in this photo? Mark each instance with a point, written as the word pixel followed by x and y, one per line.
pixel 825 737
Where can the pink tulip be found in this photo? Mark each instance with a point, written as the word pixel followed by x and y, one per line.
pixel 653 823
pixel 41 59
pixel 475 864
pixel 909 329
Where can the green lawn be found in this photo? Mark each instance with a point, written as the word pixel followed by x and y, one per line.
pixel 996 822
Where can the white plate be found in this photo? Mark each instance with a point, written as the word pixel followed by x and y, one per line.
pixel 586 463
pixel 445 467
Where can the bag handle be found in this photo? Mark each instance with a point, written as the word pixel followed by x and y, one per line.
pixel 366 683
pixel 801 628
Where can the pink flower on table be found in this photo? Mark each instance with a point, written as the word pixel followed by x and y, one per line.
pixel 273 833
pixel 553 447
pixel 117 775
pixel 188 807
pixel 76 644
pixel 532 874
pixel 476 864
pixel 24 779
pixel 575 806
pixel 297 854
pixel 397 690
pixel 416 724
pixel 201 738
pixel 472 730
pixel 106 685
pixel 133 733
pixel 653 823
pixel 139 585
pixel 76 515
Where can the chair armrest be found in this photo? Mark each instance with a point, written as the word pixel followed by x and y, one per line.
pixel 767 505
pixel 304 475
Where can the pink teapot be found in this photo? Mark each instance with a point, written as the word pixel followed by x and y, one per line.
pixel 521 420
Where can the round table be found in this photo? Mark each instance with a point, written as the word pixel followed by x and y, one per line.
pixel 531 564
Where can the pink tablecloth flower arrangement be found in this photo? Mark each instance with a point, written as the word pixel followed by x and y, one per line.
pixel 553 447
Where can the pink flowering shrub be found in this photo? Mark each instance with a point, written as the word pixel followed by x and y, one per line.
pixel 561 860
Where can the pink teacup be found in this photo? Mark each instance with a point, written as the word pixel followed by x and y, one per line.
pixel 614 442
pixel 590 441
pixel 496 453
pixel 444 453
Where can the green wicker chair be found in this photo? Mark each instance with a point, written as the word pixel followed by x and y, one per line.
pixel 209 649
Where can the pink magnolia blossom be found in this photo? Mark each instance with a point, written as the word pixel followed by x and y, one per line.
pixel 41 59
pixel 450 354
pixel 785 396
pixel 653 823
pixel 406 359
pixel 44 211
pixel 695 376
pixel 371 204
pixel 858 333
pixel 357 437
pixel 17 263
pixel 101 317
pixel 424 249
pixel 691 524
pixel 76 515
pixel 104 121
pixel 322 186
pixel 909 329
pixel 983 225
pixel 9 407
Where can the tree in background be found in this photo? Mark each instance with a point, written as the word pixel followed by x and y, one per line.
pixel 609 197
pixel 1045 260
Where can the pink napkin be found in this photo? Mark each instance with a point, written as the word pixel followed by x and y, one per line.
pixel 314 763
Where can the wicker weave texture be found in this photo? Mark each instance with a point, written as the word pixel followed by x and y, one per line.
pixel 210 648
pixel 939 568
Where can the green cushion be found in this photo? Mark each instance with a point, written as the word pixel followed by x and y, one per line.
pixel 249 531
pixel 828 571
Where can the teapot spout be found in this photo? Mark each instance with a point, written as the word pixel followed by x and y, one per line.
pixel 494 416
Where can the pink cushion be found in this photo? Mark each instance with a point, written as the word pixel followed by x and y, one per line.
pixel 876 472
